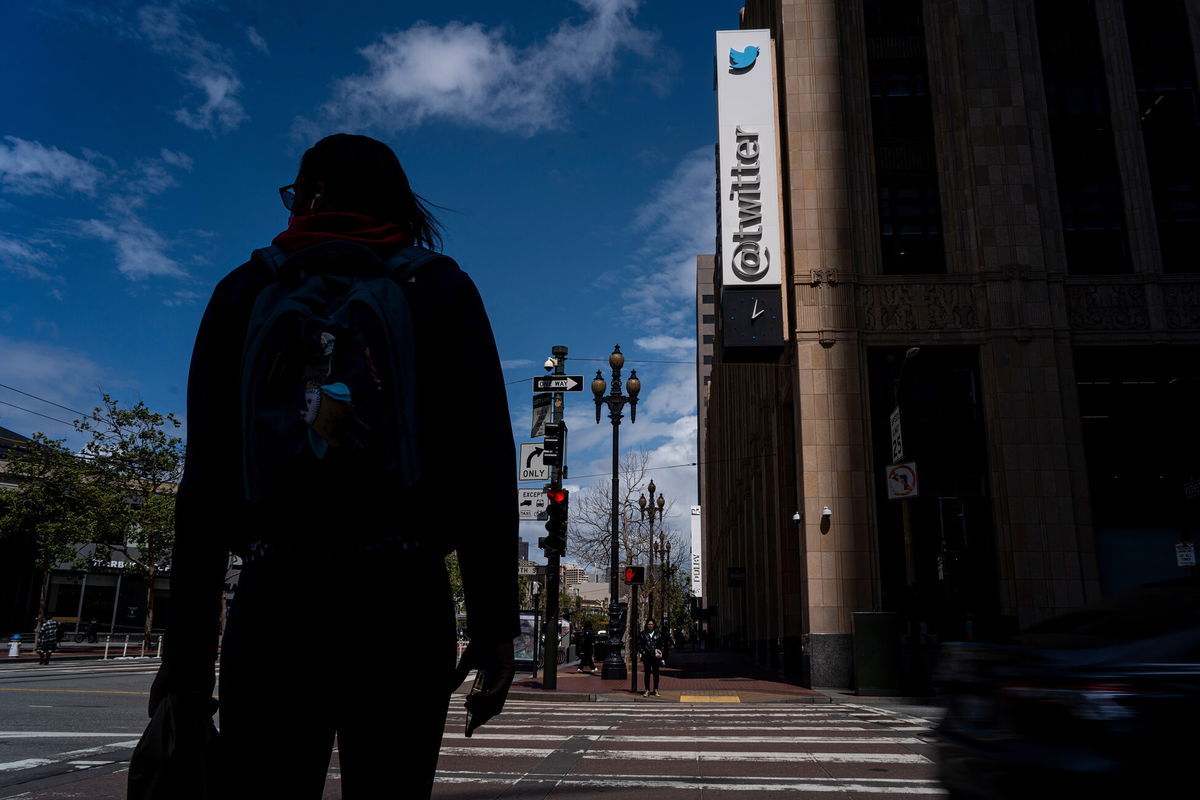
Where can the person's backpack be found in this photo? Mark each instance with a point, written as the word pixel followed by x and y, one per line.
pixel 329 405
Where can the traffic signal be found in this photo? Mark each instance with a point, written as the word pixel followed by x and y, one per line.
pixel 555 543
pixel 554 445
pixel 635 575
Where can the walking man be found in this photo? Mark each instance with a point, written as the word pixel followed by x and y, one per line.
pixel 47 639
pixel 652 648
pixel 584 641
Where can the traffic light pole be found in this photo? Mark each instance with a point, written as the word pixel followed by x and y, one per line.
pixel 550 646
pixel 633 643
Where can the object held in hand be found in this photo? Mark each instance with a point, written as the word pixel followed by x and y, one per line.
pixel 474 722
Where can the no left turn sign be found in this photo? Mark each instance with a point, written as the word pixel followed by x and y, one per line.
pixel 902 480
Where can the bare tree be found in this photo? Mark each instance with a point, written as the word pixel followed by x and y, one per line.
pixel 590 541
pixel 591 515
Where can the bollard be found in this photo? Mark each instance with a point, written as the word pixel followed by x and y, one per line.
pixel 159 653
pixel 107 642
pixel 143 647
pixel 14 646
pixel 125 650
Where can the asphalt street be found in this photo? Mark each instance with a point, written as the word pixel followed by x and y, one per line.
pixel 67 731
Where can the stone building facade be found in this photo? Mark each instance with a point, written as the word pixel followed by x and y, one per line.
pixel 1007 187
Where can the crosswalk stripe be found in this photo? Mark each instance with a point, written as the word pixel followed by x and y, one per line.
pixel 606 737
pixel 696 755
pixel 762 785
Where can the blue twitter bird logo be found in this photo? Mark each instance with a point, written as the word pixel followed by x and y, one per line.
pixel 743 59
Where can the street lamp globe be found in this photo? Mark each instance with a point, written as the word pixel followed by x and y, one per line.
pixel 642 503
pixel 616 360
pixel 662 501
pixel 634 384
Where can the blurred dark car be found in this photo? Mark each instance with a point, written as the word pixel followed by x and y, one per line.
pixel 1104 702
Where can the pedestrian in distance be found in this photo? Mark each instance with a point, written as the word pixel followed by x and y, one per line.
pixel 47 639
pixel 93 630
pixel 652 649
pixel 584 641
pixel 323 449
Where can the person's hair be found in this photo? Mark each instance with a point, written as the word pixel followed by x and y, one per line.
pixel 650 622
pixel 363 176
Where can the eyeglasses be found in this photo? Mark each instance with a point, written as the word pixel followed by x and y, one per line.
pixel 288 195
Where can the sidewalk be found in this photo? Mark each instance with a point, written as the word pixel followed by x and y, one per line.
pixel 702 676
pixel 72 651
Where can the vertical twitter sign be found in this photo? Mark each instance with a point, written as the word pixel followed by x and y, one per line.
pixel 751 248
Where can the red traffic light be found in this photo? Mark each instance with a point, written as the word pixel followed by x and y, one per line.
pixel 635 575
pixel 557 496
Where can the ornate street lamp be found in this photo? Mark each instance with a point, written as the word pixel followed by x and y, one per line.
pixel 613 667
pixel 650 511
pixel 664 558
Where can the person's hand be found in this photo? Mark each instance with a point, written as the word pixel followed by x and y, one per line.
pixel 198 683
pixel 496 661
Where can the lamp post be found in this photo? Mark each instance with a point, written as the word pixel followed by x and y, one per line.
pixel 650 511
pixel 664 558
pixel 614 666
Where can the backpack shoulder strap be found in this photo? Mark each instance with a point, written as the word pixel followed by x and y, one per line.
pixel 272 256
pixel 404 263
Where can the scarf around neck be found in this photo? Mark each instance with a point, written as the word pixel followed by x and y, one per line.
pixel 328 226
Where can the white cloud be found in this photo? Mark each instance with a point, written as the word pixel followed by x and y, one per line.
pixel 140 250
pixel 182 297
pixel 678 223
pixel 151 177
pixel 203 64
pixel 56 373
pixel 33 168
pixel 670 345
pixel 22 258
pixel 516 363
pixel 256 39
pixel 470 75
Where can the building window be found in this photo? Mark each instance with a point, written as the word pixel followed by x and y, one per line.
pixel 902 132
pixel 707 299
pixel 1164 74
pixel 1085 160
pixel 708 359
pixel 708 338
pixel 709 319
pixel 707 378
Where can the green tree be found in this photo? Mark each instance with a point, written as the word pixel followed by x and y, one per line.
pixel 51 506
pixel 134 465
pixel 456 584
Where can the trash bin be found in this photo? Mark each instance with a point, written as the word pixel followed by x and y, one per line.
pixel 14 646
pixel 878 665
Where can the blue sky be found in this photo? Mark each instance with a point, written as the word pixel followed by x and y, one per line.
pixel 141 145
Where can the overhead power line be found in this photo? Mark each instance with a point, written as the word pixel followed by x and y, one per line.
pixel 37 413
pixel 44 400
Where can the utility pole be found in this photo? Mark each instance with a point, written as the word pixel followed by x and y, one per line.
pixel 557 474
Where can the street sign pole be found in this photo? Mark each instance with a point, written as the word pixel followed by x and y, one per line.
pixel 557 473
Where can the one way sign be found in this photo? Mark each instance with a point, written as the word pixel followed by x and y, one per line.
pixel 558 383
pixel 532 468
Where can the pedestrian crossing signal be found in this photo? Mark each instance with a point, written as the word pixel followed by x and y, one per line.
pixel 635 575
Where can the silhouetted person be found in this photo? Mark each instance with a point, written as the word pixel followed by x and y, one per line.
pixel 327 550
pixel 93 630
pixel 585 640
pixel 652 648
pixel 47 641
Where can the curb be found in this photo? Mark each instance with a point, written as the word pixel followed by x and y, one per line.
pixel 849 696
